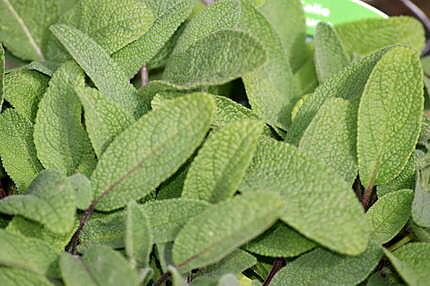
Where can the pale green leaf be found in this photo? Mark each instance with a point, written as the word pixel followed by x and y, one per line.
pixel 405 180
pixel 2 76
pixel 412 262
pixel 280 241
pixel 17 150
pixel 229 111
pixel 389 215
pixel 169 14
pixel 311 192
pixel 221 163
pixel 99 66
pixel 74 272
pixel 50 200
pixel 331 137
pixel 228 280
pixel 83 190
pixel 164 254
pixel 322 267
pixel 217 231
pixel 421 203
pixel 20 277
pixel 306 78
pixel 151 150
pixel 138 236
pixel 366 36
pixel 177 279
pixel 23 89
pixel 60 139
pixel 330 56
pixel 389 116
pixel 104 119
pixel 422 234
pixel 25 25
pixel 27 253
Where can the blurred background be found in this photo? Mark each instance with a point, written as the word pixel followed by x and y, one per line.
pixel 396 7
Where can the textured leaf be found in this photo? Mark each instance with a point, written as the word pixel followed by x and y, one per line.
pixel 389 215
pixel 421 203
pixel 280 241
pixel 145 155
pixel 168 14
pixel 221 163
pixel 83 190
pixel 405 180
pixel 17 150
pixel 138 236
pixel 104 119
pixel 25 26
pixel 98 65
pixel 229 111
pixel 311 192
pixel 412 262
pixel 177 279
pixel 27 253
pixel 60 138
pixel 331 137
pixel 389 116
pixel 112 24
pixel 322 267
pixel 306 78
pixel 99 266
pixel 23 89
pixel 217 231
pixel 2 75
pixel 330 56
pixel 366 36
pixel 215 59
pixel 50 200
pixel 19 277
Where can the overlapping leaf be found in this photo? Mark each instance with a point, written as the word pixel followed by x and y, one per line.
pixel 20 277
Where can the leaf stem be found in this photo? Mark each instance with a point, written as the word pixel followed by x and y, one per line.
pixel 162 279
pixel 144 78
pixel 365 200
pixel 401 242
pixel 208 2
pixel 278 263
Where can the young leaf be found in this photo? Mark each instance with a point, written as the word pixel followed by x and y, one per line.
pixel 322 267
pixel 17 150
pixel 177 279
pixel 50 200
pixel 27 253
pixel 99 266
pixel 280 241
pixel 2 75
pixel 99 66
pixel 331 137
pixel 20 277
pixel 25 26
pixel 138 236
pixel 23 89
pixel 168 14
pixel 151 150
pixel 389 116
pixel 311 191
pixel 330 56
pixel 366 36
pixel 405 180
pixel 104 119
pixel 217 231
pixel 221 163
pixel 421 203
pixel 412 262
pixel 60 139
pixel 389 215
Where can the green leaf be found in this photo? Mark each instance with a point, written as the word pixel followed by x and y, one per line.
pixel 363 37
pixel 330 56
pixel 99 266
pixel 229 111
pixel 405 180
pixel 60 138
pixel 322 267
pixel 2 76
pixel 221 163
pixel 17 150
pixel 177 279
pixel 23 89
pixel 421 203
pixel 50 200
pixel 151 150
pixel 99 66
pixel 389 116
pixel 138 236
pixel 217 231
pixel 83 190
pixel 169 14
pixel 280 241
pixel 331 137
pixel 389 215
pixel 27 253
pixel 104 119
pixel 25 26
pixel 112 24
pixel 311 191
pixel 412 262
pixel 20 277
